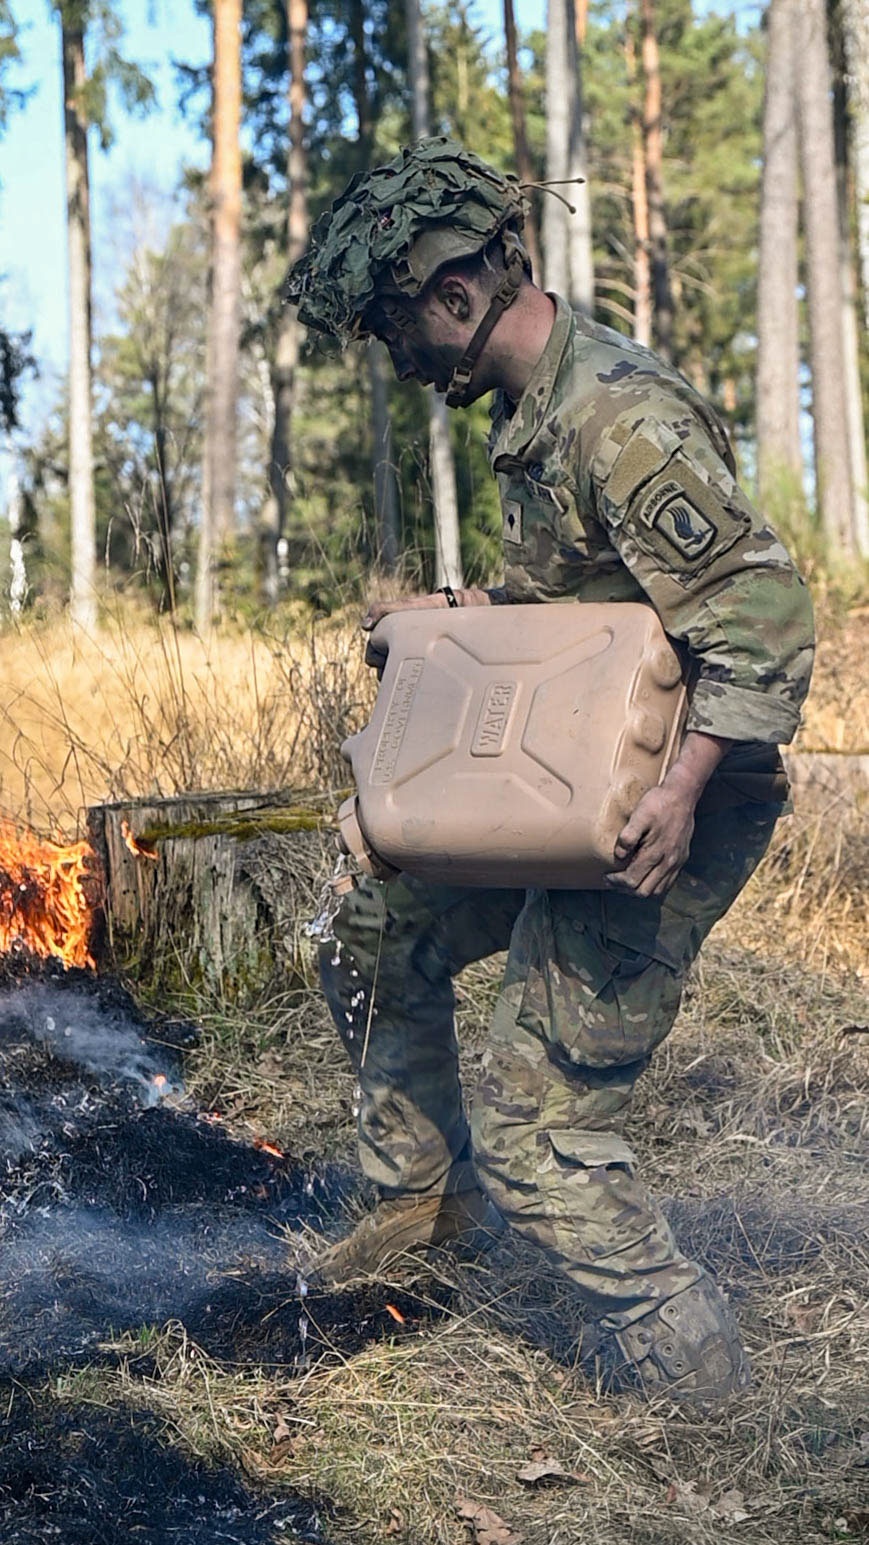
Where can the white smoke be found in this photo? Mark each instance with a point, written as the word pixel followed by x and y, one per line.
pixel 78 1032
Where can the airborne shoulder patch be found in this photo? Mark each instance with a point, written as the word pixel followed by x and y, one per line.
pixel 679 520
pixel 684 522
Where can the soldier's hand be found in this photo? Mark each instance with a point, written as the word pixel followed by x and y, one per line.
pixel 416 603
pixel 654 843
pixel 410 603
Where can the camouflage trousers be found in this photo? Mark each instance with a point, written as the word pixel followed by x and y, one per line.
pixel 592 985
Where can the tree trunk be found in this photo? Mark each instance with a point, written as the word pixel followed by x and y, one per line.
pixel 17 565
pixel 855 27
pixel 386 502
pixel 653 140
pixel 779 457
pixel 850 299
pixel 448 553
pixel 521 151
pixel 81 470
pixel 829 404
pixel 556 246
pixel 288 342
pixel 640 203
pixel 387 529
pixel 225 303
pixel 211 891
pixel 579 237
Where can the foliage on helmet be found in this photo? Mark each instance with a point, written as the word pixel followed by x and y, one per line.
pixel 394 226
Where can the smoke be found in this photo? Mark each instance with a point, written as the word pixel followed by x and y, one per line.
pixel 79 1032
pixel 20 1127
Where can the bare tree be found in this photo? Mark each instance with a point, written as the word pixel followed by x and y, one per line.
pixel 823 277
pixel 221 434
pixel 521 151
pixel 847 131
pixel 448 553
pixel 567 246
pixel 386 497
pixel 81 471
pixel 855 26
pixel 284 372
pixel 640 205
pixel 387 502
pixel 779 457
pixel 653 139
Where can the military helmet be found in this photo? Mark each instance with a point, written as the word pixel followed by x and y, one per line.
pixel 394 227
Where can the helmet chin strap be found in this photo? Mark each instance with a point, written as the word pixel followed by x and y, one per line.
pixel 458 393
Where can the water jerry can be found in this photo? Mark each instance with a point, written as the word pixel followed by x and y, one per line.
pixel 509 744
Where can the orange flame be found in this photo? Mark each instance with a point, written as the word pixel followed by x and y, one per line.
pixel 264 1147
pixel 135 844
pixel 43 905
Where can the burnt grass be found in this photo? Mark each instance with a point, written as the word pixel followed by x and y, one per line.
pixel 148 1265
pixel 81 1476
pixel 117 1215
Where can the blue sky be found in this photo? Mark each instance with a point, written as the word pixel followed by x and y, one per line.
pixel 148 150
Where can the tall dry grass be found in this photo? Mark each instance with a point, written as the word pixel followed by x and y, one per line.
pixel 138 708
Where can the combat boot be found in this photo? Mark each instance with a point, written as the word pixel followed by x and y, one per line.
pixel 688 1348
pixel 416 1225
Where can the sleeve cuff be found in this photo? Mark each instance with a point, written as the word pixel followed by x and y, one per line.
pixel 737 713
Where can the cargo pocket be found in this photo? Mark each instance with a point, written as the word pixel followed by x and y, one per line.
pixel 601 1004
pixel 594 1150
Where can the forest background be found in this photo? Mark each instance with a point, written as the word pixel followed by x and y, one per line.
pixel 235 464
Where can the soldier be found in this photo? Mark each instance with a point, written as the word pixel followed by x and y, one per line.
pixel 617 484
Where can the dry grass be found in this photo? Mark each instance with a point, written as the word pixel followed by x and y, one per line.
pixel 140 709
pixel 752 1122
pixel 836 716
pixel 752 1126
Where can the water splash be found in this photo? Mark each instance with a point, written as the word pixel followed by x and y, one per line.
pixel 340 882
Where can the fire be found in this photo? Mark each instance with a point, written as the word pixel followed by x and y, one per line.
pixel 272 1148
pixel 43 905
pixel 135 844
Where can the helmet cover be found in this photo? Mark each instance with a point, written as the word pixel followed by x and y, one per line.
pixel 393 227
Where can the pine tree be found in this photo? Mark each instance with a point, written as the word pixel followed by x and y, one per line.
pixel 779 457
pixel 221 435
pixel 823 279
pixel 84 99
pixel 82 600
pixel 448 555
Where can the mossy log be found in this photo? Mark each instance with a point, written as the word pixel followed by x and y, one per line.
pixel 208 894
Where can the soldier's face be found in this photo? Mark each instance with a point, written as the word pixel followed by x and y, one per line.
pixel 424 342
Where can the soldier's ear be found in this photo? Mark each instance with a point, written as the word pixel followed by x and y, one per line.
pixel 453 293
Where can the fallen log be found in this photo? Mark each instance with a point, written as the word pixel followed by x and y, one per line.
pixel 209 893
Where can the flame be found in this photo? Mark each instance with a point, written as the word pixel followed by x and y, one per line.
pixel 396 1314
pixel 43 905
pixel 160 1080
pixel 264 1147
pixel 135 844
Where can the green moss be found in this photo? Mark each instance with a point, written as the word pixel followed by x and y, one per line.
pixel 243 826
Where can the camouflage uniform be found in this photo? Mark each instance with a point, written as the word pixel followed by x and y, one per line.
pixel 617 484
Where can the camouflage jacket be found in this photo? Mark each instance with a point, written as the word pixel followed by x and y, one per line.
pixel 617 483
